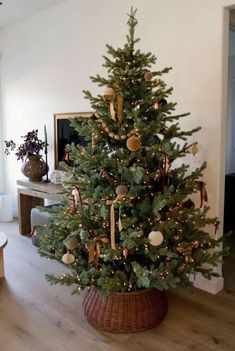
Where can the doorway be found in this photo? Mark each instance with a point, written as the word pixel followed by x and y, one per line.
pixel 229 196
pixel 229 205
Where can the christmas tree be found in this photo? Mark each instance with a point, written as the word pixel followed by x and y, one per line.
pixel 127 221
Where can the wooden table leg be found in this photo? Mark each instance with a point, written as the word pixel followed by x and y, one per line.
pixel 25 204
pixel 1 264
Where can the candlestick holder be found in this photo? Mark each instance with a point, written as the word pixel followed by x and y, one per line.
pixel 47 180
pixel 45 151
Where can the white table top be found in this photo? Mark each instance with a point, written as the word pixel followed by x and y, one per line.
pixel 3 240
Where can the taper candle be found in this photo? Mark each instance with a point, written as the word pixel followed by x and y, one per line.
pixel 45 136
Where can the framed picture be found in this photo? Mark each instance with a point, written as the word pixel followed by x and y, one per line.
pixel 65 134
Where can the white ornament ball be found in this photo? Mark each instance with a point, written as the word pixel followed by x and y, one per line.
pixel 108 94
pixel 155 238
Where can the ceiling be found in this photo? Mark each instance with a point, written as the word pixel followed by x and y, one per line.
pixel 12 11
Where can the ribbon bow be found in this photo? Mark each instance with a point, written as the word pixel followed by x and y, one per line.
pixel 94 250
pixel 203 193
pixel 119 105
pixel 76 196
pixel 112 218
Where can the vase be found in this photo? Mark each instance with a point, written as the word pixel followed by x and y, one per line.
pixel 125 312
pixel 35 168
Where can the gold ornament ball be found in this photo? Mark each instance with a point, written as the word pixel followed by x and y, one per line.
pixel 108 94
pixel 133 143
pixel 72 243
pixel 148 76
pixel 155 238
pixel 68 258
pixel 121 190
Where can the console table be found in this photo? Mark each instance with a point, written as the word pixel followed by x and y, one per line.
pixel 31 194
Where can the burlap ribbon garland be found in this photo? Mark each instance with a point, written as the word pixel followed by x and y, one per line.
pixel 112 219
pixel 93 140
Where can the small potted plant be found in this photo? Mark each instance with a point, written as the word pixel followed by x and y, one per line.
pixel 34 166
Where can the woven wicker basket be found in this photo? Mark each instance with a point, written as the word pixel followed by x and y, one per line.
pixel 125 312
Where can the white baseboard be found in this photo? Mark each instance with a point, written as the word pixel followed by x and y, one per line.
pixel 213 286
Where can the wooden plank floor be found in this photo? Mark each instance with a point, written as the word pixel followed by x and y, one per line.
pixel 37 317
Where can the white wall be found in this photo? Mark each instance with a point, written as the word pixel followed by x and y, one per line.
pixel 48 58
pixel 1 143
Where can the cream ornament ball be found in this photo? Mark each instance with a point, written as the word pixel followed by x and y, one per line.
pixel 155 238
pixel 68 258
pixel 133 143
pixel 108 94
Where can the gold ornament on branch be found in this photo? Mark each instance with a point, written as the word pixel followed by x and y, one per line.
pixel 72 243
pixel 133 143
pixel 148 76
pixel 121 190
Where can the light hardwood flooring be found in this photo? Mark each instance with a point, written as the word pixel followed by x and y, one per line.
pixel 35 316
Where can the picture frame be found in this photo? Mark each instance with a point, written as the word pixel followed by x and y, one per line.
pixel 65 134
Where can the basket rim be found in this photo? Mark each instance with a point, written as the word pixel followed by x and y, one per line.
pixel 125 293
